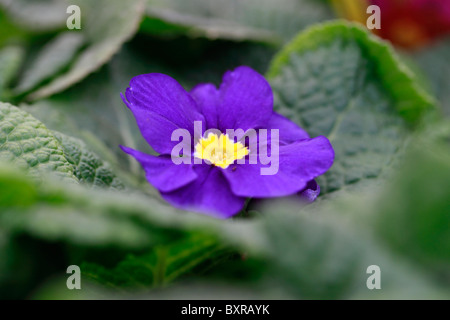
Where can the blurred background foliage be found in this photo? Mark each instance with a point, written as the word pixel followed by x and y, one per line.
pixel 68 195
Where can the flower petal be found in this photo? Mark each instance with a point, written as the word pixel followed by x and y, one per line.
pixel 310 192
pixel 208 100
pixel 288 131
pixel 246 100
pixel 243 101
pixel 298 163
pixel 161 105
pixel 161 172
pixel 209 194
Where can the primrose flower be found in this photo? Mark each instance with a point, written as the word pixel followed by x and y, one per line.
pixel 233 145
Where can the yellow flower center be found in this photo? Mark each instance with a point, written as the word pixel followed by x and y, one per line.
pixel 221 151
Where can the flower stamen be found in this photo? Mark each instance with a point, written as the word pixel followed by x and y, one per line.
pixel 220 151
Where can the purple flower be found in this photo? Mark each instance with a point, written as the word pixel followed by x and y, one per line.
pixel 220 183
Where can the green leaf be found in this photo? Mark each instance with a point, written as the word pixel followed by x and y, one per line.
pixel 51 59
pixel 57 119
pixel 72 200
pixel 339 81
pixel 70 225
pixel 29 144
pixel 57 211
pixel 10 60
pixel 326 257
pixel 315 254
pixel 4 239
pixel 162 265
pixel 10 33
pixel 103 123
pixel 414 211
pixel 43 230
pixel 37 15
pixel 88 167
pixel 402 228
pixel 104 35
pixel 434 63
pixel 102 224
pixel 258 20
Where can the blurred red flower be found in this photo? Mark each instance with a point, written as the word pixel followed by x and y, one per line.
pixel 406 23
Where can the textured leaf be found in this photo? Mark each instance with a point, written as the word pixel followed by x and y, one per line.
pixel 94 112
pixel 337 80
pixel 29 144
pixel 261 20
pixel 88 167
pixel 104 34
